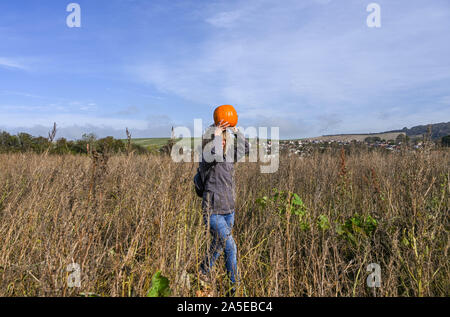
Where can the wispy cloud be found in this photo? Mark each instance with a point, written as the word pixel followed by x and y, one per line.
pixel 298 58
pixel 11 63
pixel 225 19
pixel 21 94
pixel 309 66
pixel 130 110
pixel 72 126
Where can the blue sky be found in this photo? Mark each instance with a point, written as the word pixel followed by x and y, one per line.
pixel 310 67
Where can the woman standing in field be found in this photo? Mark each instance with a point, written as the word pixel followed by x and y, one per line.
pixel 219 196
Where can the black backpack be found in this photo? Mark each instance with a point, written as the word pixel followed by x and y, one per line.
pixel 199 182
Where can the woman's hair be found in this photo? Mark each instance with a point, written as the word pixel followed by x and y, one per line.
pixel 225 136
pixel 208 137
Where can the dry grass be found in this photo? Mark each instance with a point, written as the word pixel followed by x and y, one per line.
pixel 135 215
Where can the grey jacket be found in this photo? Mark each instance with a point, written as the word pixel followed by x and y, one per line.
pixel 219 194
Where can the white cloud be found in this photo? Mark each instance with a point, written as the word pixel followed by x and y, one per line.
pixel 225 19
pixel 11 63
pixel 10 120
pixel 63 107
pixel 156 126
pixel 296 59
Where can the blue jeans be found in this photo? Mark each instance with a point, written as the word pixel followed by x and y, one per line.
pixel 220 227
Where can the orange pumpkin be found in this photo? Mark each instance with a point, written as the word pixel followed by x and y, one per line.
pixel 227 113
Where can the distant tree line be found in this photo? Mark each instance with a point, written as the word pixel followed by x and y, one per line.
pixel 400 139
pixel 24 142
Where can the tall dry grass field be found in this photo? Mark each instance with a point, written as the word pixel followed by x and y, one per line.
pixel 135 215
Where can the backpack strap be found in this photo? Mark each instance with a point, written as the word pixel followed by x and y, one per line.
pixel 203 173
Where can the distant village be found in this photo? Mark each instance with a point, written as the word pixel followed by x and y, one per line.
pixel 387 141
pixel 304 146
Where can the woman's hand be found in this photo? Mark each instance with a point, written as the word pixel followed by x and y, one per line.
pixel 222 126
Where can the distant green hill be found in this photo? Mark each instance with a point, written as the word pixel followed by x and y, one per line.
pixel 438 130
pixel 155 143
pixel 145 142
